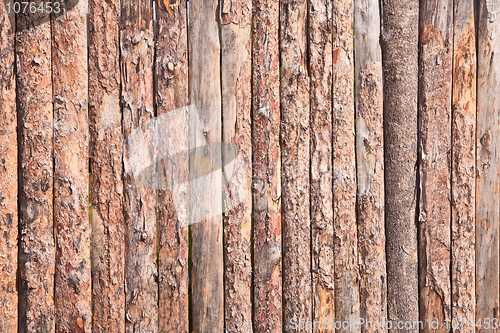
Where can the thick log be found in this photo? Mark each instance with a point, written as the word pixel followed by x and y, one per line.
pixel 73 311
pixel 400 64
pixel 488 165
pixel 37 247
pixel 435 91
pixel 463 209
pixel 106 150
pixel 370 164
pixel 344 168
pixel 206 194
pixel 236 109
pixel 171 95
pixel 8 175
pixel 320 64
pixel 295 154
pixel 266 167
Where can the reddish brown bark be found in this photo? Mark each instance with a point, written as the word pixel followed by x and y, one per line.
pixel 266 170
pixel 295 155
pixel 106 150
pixel 8 175
pixel 71 177
pixel 172 94
pixel 320 62
pixel 236 107
pixel 37 249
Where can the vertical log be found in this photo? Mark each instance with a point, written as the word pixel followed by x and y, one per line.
pixel 137 51
pixel 370 163
pixel 463 298
pixel 488 164
pixel 400 64
pixel 71 176
pixel 8 174
pixel 266 167
pixel 236 96
pixel 172 94
pixel 37 247
pixel 106 150
pixel 435 83
pixel 295 139
pixel 320 62
pixel 344 167
pixel 205 95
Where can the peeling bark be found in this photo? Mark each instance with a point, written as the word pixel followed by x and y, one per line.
pixel 487 163
pixel 295 157
pixel 106 151
pixel 71 175
pixel 344 168
pixel 236 96
pixel 172 94
pixel 463 240
pixel 37 247
pixel 435 83
pixel 137 50
pixel 205 95
pixel 400 64
pixel 320 62
pixel 370 164
pixel 8 176
pixel 266 168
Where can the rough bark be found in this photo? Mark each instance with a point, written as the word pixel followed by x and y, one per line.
pixel 487 163
pixel 106 150
pixel 8 175
pixel 206 195
pixel 435 83
pixel 37 248
pixel 295 155
pixel 172 94
pixel 71 176
pixel 266 167
pixel 320 60
pixel 137 50
pixel 370 164
pixel 344 168
pixel 236 96
pixel 400 64
pixel 463 302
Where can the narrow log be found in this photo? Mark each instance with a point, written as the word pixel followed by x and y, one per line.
pixel 171 95
pixel 206 194
pixel 344 168
pixel 488 166
pixel 320 62
pixel 236 107
pixel 266 168
pixel 8 175
pixel 435 83
pixel 400 64
pixel 463 256
pixel 106 151
pixel 370 164
pixel 295 154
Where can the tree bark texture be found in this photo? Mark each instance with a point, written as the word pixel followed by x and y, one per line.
pixel 400 63
pixel 37 247
pixel 266 168
pixel 237 102
pixel 370 163
pixel 106 154
pixel 172 94
pixel 435 91
pixel 8 175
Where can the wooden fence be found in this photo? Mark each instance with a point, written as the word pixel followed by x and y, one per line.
pixel 368 169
